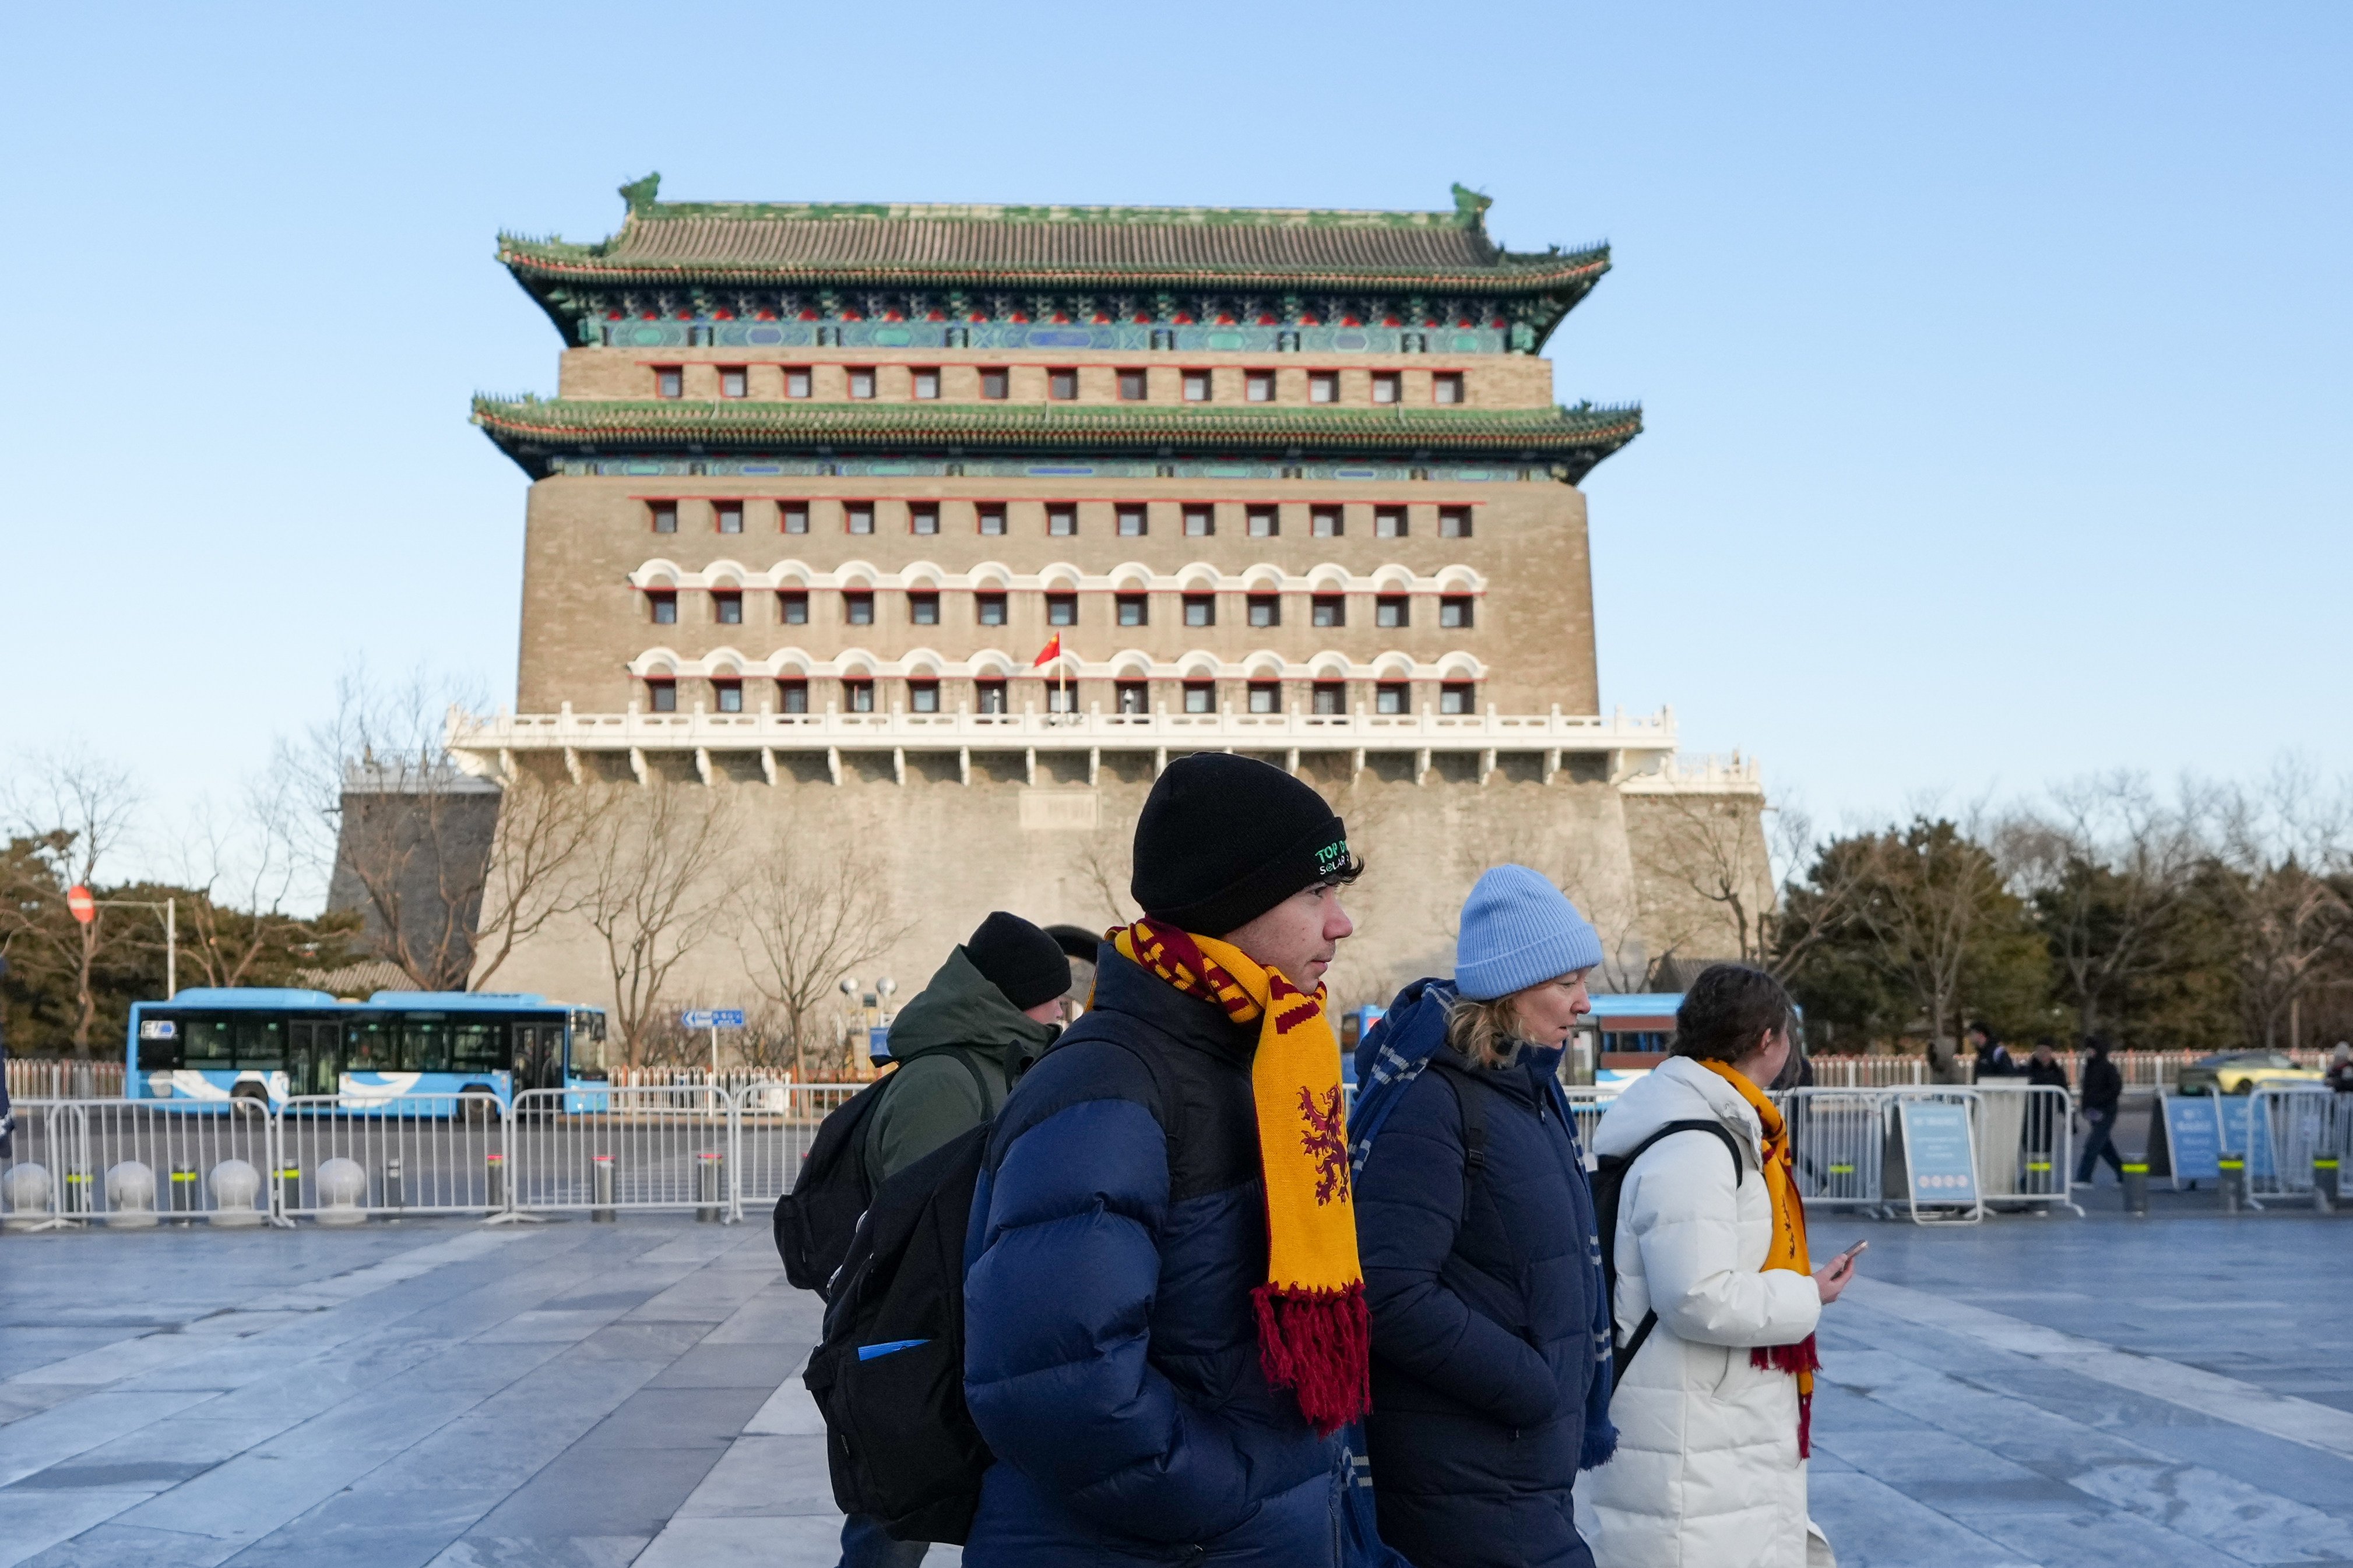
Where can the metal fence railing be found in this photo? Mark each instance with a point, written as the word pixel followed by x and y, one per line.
pixel 2292 1133
pixel 50 1078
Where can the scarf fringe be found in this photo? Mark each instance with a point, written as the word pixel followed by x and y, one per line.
pixel 1800 1360
pixel 1318 1344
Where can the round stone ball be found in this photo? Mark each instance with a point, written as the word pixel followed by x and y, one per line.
pixel 26 1187
pixel 235 1186
pixel 130 1194
pixel 342 1192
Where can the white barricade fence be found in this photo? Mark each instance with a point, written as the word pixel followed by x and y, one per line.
pixel 2298 1124
pixel 133 1163
pixel 606 1149
pixel 2025 1143
pixel 776 1123
pixel 32 1164
pixel 342 1157
pixel 1838 1138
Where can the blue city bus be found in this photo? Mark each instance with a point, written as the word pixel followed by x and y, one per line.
pixel 213 1046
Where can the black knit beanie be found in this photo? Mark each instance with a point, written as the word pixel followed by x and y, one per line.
pixel 1222 839
pixel 1019 960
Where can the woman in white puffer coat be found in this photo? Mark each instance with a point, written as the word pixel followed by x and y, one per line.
pixel 1710 1469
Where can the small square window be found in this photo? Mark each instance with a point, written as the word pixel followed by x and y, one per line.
pixel 1133 523
pixel 727 696
pixel 1132 386
pixel 795 516
pixel 923 517
pixel 858 609
pixel 792 607
pixel 1062 521
pixel 988 696
pixel 857 697
pixel 727 609
pixel 1446 386
pixel 926 379
pixel 734 381
pixel 990 608
pixel 1062 385
pixel 1392 610
pixel 1135 610
pixel 792 697
pixel 922 697
pixel 662 696
pixel 1258 386
pixel 1454 522
pixel 1385 386
pixel 1200 522
pixel 1326 522
pixel 670 381
pixel 858 516
pixel 1454 612
pixel 1265 697
pixel 730 514
pixel 1266 523
pixel 1388 522
pixel 1200 697
pixel 1135 697
pixel 1456 699
pixel 996 385
pixel 1331 698
pixel 1196 386
pixel 797 382
pixel 1200 610
pixel 1323 387
pixel 665 516
pixel 664 607
pixel 1061 609
pixel 992 517
pixel 1390 697
pixel 923 609
pixel 862 381
pixel 1328 610
pixel 1265 610
pixel 1061 699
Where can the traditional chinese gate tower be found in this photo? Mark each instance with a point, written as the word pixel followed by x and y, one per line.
pixel 820 483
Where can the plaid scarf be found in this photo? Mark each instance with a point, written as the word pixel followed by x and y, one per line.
pixel 1789 1249
pixel 1314 1334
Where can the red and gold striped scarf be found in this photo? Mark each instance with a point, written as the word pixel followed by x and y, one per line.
pixel 1789 1248
pixel 1314 1334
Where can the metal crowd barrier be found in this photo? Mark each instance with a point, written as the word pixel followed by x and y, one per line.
pixel 634 1149
pixel 133 1163
pixel 2302 1127
pixel 340 1159
pixel 776 1123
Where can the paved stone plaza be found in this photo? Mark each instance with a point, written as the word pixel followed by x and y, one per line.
pixel 2168 1394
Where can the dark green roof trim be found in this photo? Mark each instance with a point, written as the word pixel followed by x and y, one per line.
pixel 1569 440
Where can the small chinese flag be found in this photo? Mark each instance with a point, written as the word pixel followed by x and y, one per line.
pixel 1049 653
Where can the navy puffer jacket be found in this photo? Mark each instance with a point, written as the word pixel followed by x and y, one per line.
pixel 1483 1306
pixel 1111 1353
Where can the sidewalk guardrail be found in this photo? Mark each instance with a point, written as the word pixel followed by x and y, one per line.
pixel 2298 1125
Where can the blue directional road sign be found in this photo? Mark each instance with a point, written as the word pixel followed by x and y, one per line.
pixel 714 1018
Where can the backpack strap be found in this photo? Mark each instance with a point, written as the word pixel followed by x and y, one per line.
pixel 1471 1106
pixel 1623 1356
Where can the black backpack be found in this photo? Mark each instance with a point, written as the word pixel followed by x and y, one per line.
pixel 1609 1184
pixel 888 1374
pixel 815 1221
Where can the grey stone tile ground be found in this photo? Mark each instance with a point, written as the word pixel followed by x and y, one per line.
pixel 2173 1392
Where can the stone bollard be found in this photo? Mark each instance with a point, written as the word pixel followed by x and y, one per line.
pixel 28 1189
pixel 2325 1190
pixel 2137 1188
pixel 494 1176
pixel 184 1191
pixel 395 1195
pixel 601 1171
pixel 289 1177
pixel 130 1194
pixel 236 1188
pixel 2235 1184
pixel 342 1193
pixel 706 1188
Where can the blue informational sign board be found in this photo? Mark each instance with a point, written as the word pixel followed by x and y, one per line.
pixel 2187 1143
pixel 2242 1136
pixel 1939 1154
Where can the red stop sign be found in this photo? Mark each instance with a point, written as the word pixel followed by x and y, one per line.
pixel 84 907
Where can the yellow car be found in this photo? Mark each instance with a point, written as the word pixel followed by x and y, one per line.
pixel 2241 1072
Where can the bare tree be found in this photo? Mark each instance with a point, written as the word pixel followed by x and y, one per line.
pixel 245 867
pixel 74 813
pixel 1931 893
pixel 2284 848
pixel 1713 847
pixel 811 917
pixel 648 888
pixel 544 827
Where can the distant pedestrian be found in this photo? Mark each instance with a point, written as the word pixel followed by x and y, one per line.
pixel 1993 1058
pixel 1713 1409
pixel 2340 1076
pixel 2045 1114
pixel 2103 1090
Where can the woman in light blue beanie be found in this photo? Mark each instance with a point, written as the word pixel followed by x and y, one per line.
pixel 1475 1227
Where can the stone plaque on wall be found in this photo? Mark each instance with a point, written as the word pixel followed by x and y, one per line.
pixel 1075 810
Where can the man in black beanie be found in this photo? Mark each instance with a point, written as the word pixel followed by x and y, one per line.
pixel 1120 1230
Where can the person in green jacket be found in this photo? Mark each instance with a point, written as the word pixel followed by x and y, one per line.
pixel 992 1009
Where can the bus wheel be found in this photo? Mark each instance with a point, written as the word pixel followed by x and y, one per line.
pixel 249 1097
pixel 479 1113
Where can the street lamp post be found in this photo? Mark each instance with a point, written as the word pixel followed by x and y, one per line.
pixel 171 935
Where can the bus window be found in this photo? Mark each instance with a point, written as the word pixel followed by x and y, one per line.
pixel 588 1042
pixel 425 1045
pixel 479 1048
pixel 208 1043
pixel 372 1047
pixel 260 1043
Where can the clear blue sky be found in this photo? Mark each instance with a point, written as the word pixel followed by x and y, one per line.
pixel 1995 357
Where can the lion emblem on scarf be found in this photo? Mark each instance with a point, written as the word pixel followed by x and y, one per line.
pixel 1327 1142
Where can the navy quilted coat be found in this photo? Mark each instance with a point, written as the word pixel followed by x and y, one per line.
pixel 1483 1320
pixel 1111 1353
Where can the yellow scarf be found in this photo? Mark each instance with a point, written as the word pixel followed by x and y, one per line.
pixel 1788 1246
pixel 1315 1333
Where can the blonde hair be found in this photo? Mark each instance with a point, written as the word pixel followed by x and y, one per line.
pixel 1487 1034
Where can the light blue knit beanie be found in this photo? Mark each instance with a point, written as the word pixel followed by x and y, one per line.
pixel 1519 930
